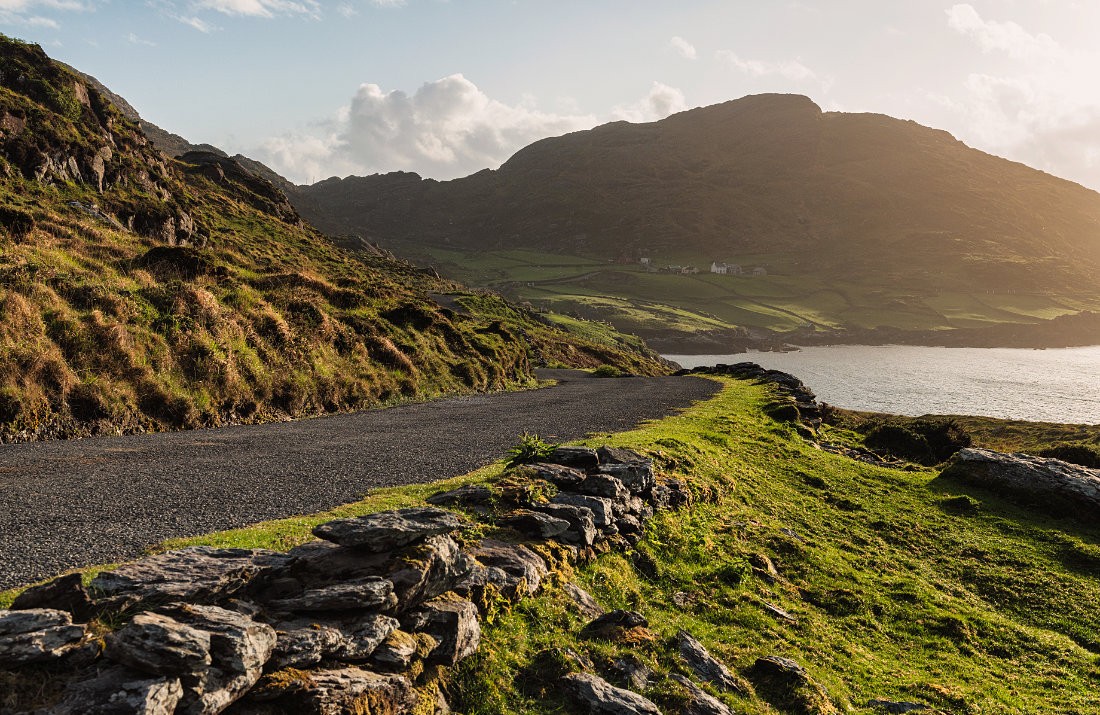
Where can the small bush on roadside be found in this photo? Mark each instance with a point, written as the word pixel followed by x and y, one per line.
pixel 608 371
pixel 530 448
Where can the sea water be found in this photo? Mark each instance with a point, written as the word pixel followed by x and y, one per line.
pixel 1053 385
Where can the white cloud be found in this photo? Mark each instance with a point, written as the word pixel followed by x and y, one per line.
pixel 446 129
pixel 789 69
pixel 346 10
pixel 135 40
pixel 388 3
pixel 685 48
pixel 1047 114
pixel 661 101
pixel 262 8
pixel 195 22
pixel 23 12
pixel 1003 36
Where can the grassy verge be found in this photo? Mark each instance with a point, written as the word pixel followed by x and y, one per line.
pixel 891 584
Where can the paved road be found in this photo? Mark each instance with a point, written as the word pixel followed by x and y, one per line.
pixel 75 503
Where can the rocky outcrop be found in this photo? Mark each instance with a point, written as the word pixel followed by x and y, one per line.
pixel 1074 487
pixel 707 667
pixel 797 402
pixel 368 615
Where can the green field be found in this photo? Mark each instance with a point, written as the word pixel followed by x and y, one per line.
pixel 636 300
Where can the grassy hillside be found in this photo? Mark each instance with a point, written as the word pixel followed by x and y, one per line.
pixel 897 585
pixel 140 293
pixel 862 222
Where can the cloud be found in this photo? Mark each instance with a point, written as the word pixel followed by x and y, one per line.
pixel 789 69
pixel 196 23
pixel 23 12
pixel 446 129
pixel 1002 36
pixel 1046 114
pixel 685 48
pixel 135 40
pixel 661 101
pixel 261 8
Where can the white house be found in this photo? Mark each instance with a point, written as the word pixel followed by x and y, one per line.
pixel 726 269
pixel 645 261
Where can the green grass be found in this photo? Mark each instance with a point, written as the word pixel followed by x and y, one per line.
pixel 895 592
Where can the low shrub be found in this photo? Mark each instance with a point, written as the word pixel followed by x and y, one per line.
pixel 1082 454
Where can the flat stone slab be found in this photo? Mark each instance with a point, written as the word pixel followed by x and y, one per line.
pixel 389 530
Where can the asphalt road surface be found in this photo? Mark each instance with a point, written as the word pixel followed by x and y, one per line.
pixel 68 504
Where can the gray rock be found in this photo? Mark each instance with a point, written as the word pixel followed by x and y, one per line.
pixel 417 572
pixel 578 457
pixel 373 593
pixel 632 672
pixel 706 666
pixel 239 648
pixel 453 622
pixel 628 524
pixel 670 494
pixel 582 525
pixel 397 652
pixel 619 455
pixel 389 530
pixel 64 593
pixel 636 476
pixel 121 691
pixel 304 647
pixel 340 692
pixel 158 645
pixel 778 678
pixel 534 524
pixel 764 568
pixel 701 702
pixel 198 574
pixel 471 496
pixel 613 622
pixel 599 697
pixel 603 485
pixel 361 639
pixel 603 512
pixel 36 635
pixel 558 474
pixel 583 600
pixel 514 563
pixel 1037 476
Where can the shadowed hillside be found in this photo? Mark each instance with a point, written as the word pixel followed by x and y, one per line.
pixel 140 292
pixel 888 212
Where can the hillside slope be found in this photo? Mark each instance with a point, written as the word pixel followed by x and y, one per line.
pixel 139 292
pixel 875 214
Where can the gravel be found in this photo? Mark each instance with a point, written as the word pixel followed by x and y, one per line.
pixel 69 504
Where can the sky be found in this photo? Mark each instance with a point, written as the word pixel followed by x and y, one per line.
pixel 449 87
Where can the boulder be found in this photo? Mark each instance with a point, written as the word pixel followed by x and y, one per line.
pixel 599 697
pixel 603 512
pixel 336 692
pixel 453 622
pixel 389 530
pixel 637 477
pixel 558 474
pixel 155 644
pixel 1073 485
pixel 121 691
pixel 706 666
pixel 361 639
pixel 397 652
pixel 700 702
pixel 515 562
pixel 36 635
pixel 64 593
pixel 535 524
pixel 198 574
pixel 577 457
pixel 583 600
pixel 239 648
pixel 619 455
pixel 372 593
pixel 603 485
pixel 303 647
pixel 582 526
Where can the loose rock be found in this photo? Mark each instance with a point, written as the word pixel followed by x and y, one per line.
pixel 37 635
pixel 582 526
pixel 389 530
pixel 583 600
pixel 701 702
pixel 64 593
pixel 453 622
pixel 373 593
pixel 706 666
pixel 599 697
pixel 158 645
pixel 121 691
pixel 561 476
pixel 534 524
pixel 335 692
pixel 578 457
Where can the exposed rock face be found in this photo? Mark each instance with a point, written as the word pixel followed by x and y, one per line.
pixel 701 702
pixel 558 474
pixel 1073 485
pixel 581 520
pixel 636 476
pixel 577 457
pixel 36 636
pixel 65 593
pixel 599 697
pixel 706 666
pixel 535 524
pixel 158 645
pixel 336 692
pixel 199 574
pixel 120 691
pixel 372 593
pixel 586 604
pixel 389 530
pixel 453 622
pixel 515 563
pixel 603 513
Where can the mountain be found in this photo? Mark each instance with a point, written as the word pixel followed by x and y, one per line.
pixel 886 219
pixel 142 292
